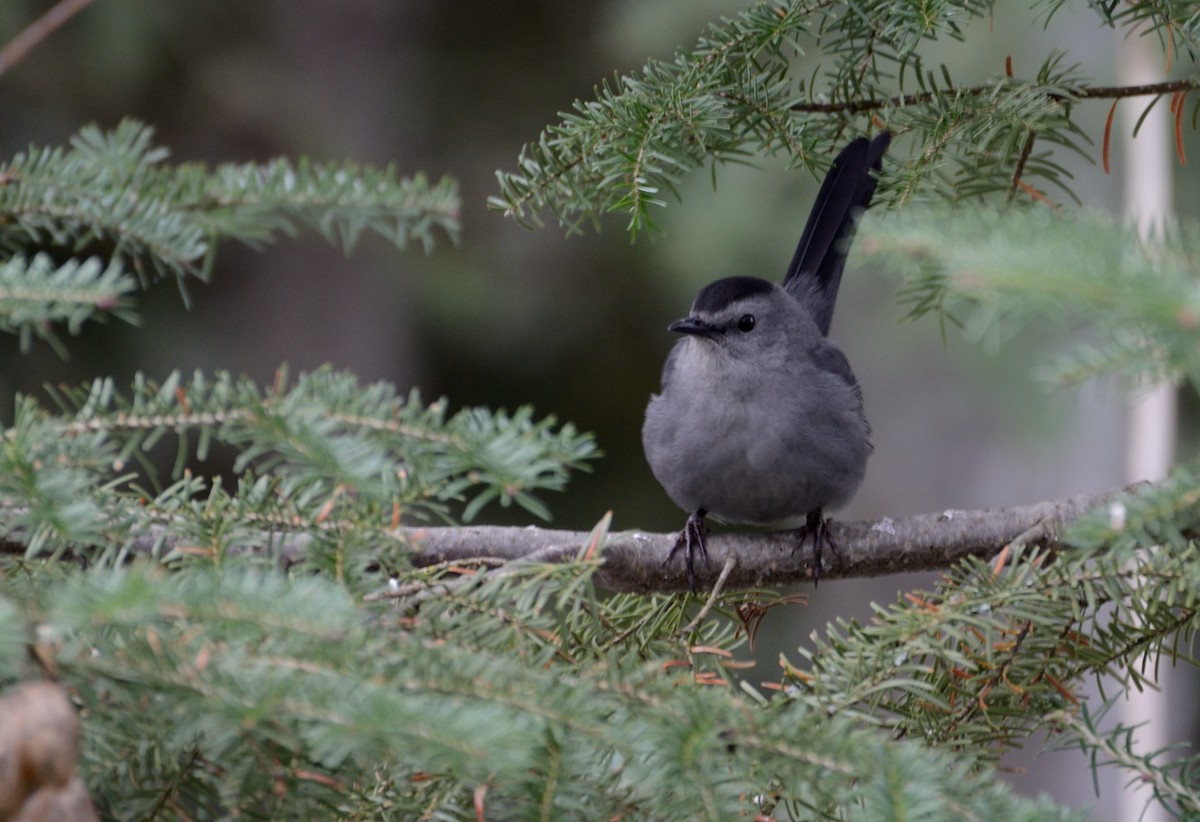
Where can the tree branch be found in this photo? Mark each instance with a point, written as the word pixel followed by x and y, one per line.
pixel 1086 93
pixel 633 561
pixel 37 31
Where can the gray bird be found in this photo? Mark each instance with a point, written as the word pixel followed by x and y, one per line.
pixel 760 419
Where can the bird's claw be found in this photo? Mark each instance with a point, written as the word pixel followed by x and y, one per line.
pixel 691 540
pixel 818 527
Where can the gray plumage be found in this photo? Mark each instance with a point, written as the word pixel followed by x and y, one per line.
pixel 760 419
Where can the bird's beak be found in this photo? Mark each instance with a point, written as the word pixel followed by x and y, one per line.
pixel 693 326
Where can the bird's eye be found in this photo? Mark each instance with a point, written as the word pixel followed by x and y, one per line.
pixel 746 323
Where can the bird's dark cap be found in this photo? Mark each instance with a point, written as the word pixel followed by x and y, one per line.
pixel 720 294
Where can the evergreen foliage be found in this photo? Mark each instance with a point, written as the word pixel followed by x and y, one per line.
pixel 325 456
pixel 121 216
pixel 734 95
pixel 244 692
pixel 996 274
pixel 260 644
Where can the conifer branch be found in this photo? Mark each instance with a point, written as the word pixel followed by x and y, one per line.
pixel 324 454
pixel 112 195
pixel 36 294
pixel 985 271
pixel 1171 778
pixel 634 561
pixel 733 95
pixel 413 710
pixel 909 100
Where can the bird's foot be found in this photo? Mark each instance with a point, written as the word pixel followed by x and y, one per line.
pixel 818 527
pixel 691 540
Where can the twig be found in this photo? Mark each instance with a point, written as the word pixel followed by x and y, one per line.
pixel 416 592
pixel 1026 150
pixel 396 591
pixel 730 564
pixel 39 30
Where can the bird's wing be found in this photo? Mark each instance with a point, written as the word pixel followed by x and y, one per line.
pixel 815 272
pixel 828 358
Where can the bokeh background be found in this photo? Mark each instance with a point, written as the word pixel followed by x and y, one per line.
pixel 574 325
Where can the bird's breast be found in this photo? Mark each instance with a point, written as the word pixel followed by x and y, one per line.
pixel 754 445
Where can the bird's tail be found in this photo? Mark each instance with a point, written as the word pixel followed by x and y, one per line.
pixel 816 268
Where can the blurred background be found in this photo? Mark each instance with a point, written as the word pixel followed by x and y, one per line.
pixel 575 326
